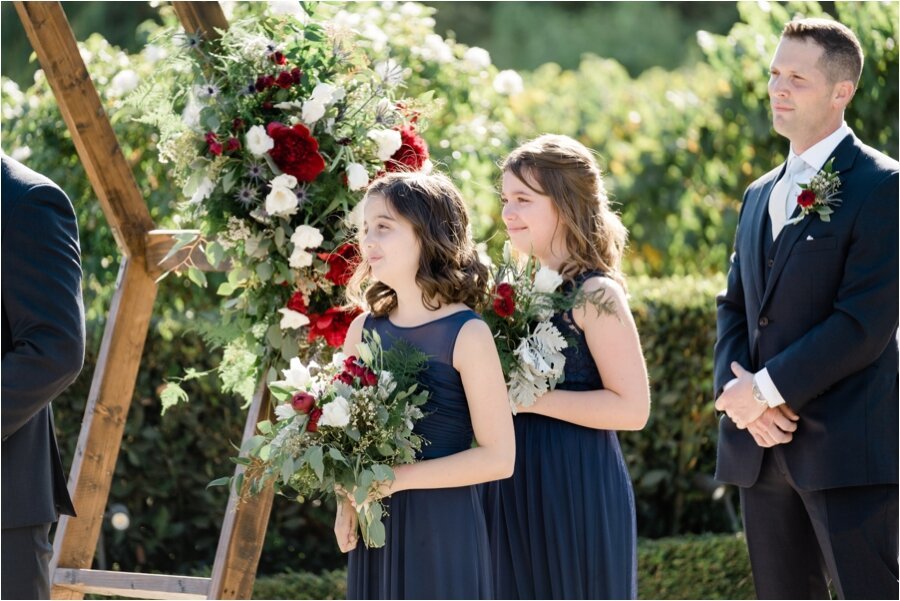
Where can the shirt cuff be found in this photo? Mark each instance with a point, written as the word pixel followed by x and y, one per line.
pixel 767 388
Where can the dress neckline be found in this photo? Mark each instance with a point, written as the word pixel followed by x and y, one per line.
pixel 422 325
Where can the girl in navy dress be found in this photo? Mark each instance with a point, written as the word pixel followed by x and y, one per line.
pixel 423 276
pixel 563 527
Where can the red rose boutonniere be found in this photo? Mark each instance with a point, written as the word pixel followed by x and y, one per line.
pixel 819 195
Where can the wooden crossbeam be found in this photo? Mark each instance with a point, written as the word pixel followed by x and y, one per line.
pixel 131 584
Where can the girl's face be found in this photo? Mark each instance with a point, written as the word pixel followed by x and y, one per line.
pixel 532 220
pixel 389 243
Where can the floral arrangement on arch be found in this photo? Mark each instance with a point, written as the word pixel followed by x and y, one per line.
pixel 273 132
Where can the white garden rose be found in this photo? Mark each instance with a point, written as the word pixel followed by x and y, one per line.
pixel 357 176
pixel 281 201
pixel 547 280
pixel 508 83
pixel 388 141
pixel 258 141
pixel 336 414
pixel 300 258
pixel 306 236
pixel 296 376
pixel 285 180
pixel 291 320
pixel 326 93
pixel 477 58
pixel 313 110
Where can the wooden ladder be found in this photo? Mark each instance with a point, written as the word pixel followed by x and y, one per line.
pixel 142 246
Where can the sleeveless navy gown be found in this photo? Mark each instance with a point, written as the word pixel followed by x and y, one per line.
pixel 563 526
pixel 436 540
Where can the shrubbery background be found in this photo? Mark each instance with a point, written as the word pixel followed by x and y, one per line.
pixel 678 143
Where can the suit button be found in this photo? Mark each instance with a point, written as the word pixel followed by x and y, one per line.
pixel 763 322
pixel 770 263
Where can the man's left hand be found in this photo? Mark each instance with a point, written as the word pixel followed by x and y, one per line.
pixel 737 399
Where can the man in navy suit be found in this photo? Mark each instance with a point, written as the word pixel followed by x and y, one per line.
pixel 43 351
pixel 806 362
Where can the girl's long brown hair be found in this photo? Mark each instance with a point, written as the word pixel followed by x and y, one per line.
pixel 449 269
pixel 566 171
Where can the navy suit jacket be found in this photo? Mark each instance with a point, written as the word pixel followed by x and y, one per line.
pixel 823 321
pixel 42 341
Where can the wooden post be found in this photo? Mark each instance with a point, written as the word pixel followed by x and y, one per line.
pixel 244 530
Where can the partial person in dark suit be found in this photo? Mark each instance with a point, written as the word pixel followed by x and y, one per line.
pixel 806 363
pixel 43 352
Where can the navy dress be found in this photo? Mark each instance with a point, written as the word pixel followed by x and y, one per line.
pixel 436 544
pixel 563 526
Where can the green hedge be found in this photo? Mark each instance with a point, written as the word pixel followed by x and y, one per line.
pixel 675 453
pixel 695 567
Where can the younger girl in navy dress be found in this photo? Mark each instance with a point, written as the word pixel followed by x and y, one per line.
pixel 563 527
pixel 424 276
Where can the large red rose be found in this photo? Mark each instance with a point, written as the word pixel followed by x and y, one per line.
pixel 412 154
pixel 806 199
pixel 295 152
pixel 341 263
pixel 331 325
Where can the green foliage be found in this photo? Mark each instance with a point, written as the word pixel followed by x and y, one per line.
pixel 693 567
pixel 676 319
pixel 302 585
pixel 679 148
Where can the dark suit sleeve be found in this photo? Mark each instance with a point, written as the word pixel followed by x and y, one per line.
pixel 865 311
pixel 732 337
pixel 41 264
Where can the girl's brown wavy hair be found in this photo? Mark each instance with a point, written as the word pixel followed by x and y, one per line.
pixel 566 171
pixel 449 269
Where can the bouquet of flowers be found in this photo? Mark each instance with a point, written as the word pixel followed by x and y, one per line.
pixel 341 426
pixel 523 299
pixel 273 131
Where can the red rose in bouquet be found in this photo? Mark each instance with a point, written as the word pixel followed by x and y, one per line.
pixel 806 199
pixel 331 325
pixel 341 263
pixel 296 152
pixel 313 424
pixel 412 154
pixel 303 402
pixel 504 301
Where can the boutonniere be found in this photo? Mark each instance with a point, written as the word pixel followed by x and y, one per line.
pixel 819 195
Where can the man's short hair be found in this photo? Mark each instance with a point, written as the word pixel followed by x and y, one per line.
pixel 843 56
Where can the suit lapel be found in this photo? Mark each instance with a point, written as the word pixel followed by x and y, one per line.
pixel 844 155
pixel 759 233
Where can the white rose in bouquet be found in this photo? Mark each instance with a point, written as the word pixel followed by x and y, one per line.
pixel 258 141
pixel 336 413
